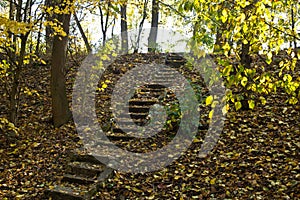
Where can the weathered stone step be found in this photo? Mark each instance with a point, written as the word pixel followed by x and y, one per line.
pixel 138 115
pixel 155 86
pixel 175 60
pixel 165 77
pixel 139 108
pixel 119 136
pixel 164 83
pixel 78 179
pixel 65 193
pixel 154 90
pixel 148 94
pixel 124 130
pixel 87 169
pixel 128 121
pixel 143 102
pixel 134 115
pixel 88 158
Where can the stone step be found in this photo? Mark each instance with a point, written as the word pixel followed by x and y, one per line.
pixel 142 102
pixel 139 108
pixel 155 86
pixel 164 83
pixel 125 130
pixel 127 121
pixel 165 77
pixel 86 169
pixel 154 90
pixel 138 115
pixel 119 136
pixel 148 94
pixel 88 158
pixel 78 179
pixel 65 193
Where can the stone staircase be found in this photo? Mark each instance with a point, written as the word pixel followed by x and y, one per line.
pixel 85 173
pixel 82 178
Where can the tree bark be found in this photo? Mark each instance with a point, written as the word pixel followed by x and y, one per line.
pixel 60 106
pixel 152 45
pixel 124 28
pixel 48 37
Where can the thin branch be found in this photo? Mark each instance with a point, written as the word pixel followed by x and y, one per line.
pixel 282 31
pixel 173 9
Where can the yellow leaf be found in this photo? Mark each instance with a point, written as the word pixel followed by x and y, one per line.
pixel 251 104
pixel 211 113
pixel 213 181
pixel 12 145
pixel 237 105
pixel 43 62
pixel 263 100
pixel 196 140
pixel 225 109
pixel 209 100
pixel 104 86
pixel 244 81
pixel 224 15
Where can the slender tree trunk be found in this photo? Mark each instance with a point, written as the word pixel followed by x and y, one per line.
pixel 293 25
pixel 152 45
pixel 60 106
pixel 48 37
pixel 104 23
pixel 137 46
pixel 38 43
pixel 124 28
pixel 84 37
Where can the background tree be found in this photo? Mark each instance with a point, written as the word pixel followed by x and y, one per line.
pixel 124 26
pixel 152 45
pixel 60 106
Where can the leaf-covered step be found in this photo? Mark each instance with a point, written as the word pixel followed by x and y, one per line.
pixel 119 136
pixel 146 89
pixel 128 121
pixel 166 76
pixel 139 109
pixel 88 158
pixel 65 193
pixel 87 169
pixel 155 86
pixel 78 179
pixel 141 102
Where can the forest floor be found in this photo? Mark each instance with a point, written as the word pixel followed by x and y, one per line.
pixel 256 157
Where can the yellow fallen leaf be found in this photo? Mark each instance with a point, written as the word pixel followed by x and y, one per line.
pixel 213 181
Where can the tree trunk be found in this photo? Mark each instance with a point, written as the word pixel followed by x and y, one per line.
pixel 124 28
pixel 152 45
pixel 48 37
pixel 293 25
pixel 60 106
pixel 245 56
pixel 85 39
pixel 14 93
pixel 104 23
pixel 137 46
